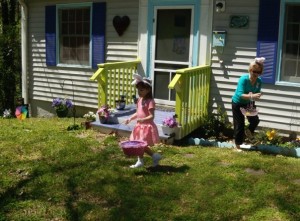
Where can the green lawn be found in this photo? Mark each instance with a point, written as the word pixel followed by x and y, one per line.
pixel 49 173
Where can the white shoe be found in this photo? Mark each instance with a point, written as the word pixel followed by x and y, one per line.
pixel 156 158
pixel 139 163
pixel 245 146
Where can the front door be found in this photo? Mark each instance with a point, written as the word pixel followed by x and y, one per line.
pixel 172 48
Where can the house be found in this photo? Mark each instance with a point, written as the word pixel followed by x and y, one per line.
pixel 63 41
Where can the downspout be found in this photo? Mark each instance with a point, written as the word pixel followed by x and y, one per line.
pixel 24 20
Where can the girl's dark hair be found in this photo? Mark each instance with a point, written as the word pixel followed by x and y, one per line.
pixel 146 86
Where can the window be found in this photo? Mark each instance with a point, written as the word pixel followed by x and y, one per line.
pixel 79 39
pixel 74 36
pixel 290 62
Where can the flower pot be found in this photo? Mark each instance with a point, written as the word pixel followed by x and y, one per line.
pixel 62 112
pixel 87 124
pixel 103 119
pixel 168 130
pixel 120 104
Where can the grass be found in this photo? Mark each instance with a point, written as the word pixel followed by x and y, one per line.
pixel 49 173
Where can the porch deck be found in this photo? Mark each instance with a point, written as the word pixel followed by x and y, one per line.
pixel 116 124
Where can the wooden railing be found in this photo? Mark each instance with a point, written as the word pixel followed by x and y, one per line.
pixel 192 87
pixel 114 80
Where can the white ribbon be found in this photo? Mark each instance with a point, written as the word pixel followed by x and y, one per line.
pixel 138 78
pixel 260 60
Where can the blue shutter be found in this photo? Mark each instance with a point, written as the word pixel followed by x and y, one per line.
pixel 98 33
pixel 267 37
pixel 50 34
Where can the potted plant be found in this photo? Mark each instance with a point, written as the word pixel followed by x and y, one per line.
pixel 89 117
pixel 62 106
pixel 104 113
pixel 120 104
pixel 169 125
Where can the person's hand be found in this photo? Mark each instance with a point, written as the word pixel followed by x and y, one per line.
pixel 127 121
pixel 256 96
pixel 140 120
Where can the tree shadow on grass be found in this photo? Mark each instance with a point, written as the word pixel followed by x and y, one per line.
pixel 164 169
pixel 15 192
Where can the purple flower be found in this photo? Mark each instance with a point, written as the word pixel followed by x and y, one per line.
pixel 170 122
pixel 69 103
pixel 104 110
pixel 56 102
pixel 61 104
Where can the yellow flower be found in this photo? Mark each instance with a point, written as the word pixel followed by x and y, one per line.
pixel 271 134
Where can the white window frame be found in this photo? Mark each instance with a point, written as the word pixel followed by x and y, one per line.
pixel 281 44
pixel 72 6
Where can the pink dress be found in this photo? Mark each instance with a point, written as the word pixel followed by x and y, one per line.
pixel 147 130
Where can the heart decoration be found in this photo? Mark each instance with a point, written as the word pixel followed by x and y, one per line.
pixel 121 24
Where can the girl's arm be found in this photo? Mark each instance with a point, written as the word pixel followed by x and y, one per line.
pixel 149 117
pixel 131 118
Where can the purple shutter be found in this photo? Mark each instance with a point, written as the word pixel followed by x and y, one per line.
pixel 98 33
pixel 267 37
pixel 50 34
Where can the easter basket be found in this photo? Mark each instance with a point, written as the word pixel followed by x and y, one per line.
pixel 250 110
pixel 133 147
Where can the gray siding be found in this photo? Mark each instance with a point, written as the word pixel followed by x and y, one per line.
pixel 46 83
pixel 279 106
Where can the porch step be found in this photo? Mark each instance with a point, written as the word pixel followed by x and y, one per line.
pixel 115 124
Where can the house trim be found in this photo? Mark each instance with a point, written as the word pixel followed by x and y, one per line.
pixel 280 43
pixel 176 3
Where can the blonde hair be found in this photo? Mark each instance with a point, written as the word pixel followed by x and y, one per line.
pixel 257 63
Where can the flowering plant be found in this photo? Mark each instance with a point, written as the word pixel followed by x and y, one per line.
pixel 170 122
pixel 7 113
pixel 104 111
pixel 90 116
pixel 61 104
pixel 269 137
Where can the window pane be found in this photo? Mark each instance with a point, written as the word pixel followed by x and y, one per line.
pixel 290 68
pixel 72 15
pixel 79 16
pixel 161 90
pixel 292 32
pixel 65 16
pixel 72 28
pixel 86 28
pixel 74 39
pixel 291 50
pixel 293 13
pixel 173 35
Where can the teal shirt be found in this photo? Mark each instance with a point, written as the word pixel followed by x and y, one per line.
pixel 244 87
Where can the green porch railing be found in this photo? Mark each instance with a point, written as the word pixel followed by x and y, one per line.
pixel 114 80
pixel 192 87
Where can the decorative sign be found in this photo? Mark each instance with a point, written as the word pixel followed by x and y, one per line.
pixel 219 38
pixel 121 24
pixel 237 21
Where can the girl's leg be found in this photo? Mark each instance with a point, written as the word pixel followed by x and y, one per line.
pixel 156 157
pixel 238 124
pixel 139 162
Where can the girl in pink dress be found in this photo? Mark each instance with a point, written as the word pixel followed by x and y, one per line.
pixel 145 128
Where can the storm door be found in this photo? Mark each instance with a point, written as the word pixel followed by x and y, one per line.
pixel 172 49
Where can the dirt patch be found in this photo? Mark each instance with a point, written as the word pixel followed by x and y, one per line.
pixel 224 164
pixel 189 155
pixel 255 172
pixel 297 181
